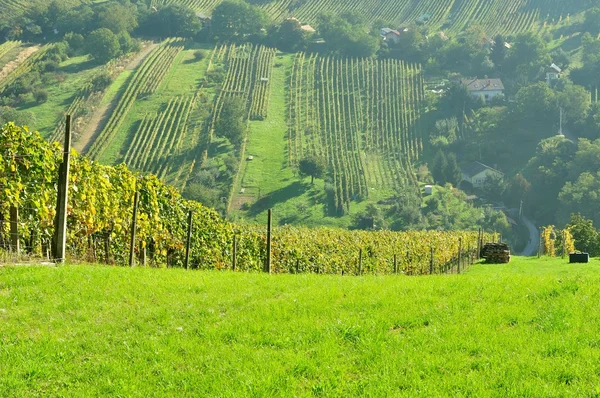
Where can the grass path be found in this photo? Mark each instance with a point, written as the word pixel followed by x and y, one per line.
pixel 267 144
pixel 529 328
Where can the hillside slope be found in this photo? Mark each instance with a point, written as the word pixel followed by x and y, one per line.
pixel 497 16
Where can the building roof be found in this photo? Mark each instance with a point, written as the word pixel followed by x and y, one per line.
pixel 555 68
pixel 474 168
pixel 202 16
pixel 308 28
pixel 483 84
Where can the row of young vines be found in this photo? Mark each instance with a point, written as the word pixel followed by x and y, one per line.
pixel 145 81
pixel 496 16
pixel 361 116
pixel 100 212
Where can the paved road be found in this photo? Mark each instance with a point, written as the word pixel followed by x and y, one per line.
pixel 534 238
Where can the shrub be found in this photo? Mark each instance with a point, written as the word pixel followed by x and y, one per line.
pixel 40 96
pixel 199 55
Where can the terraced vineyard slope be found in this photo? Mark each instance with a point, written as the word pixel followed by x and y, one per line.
pixel 360 115
pixel 497 16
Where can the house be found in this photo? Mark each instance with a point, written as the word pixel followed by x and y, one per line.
pixel 477 173
pixel 552 74
pixel 486 88
pixel 390 35
pixel 203 17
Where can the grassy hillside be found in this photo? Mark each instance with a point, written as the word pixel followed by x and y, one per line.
pixel 164 112
pixel 525 329
pixel 497 16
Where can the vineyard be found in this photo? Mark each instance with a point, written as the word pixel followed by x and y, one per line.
pixel 497 16
pixel 159 136
pixel 360 115
pixel 13 7
pixel 6 47
pixel 100 212
pixel 24 67
pixel 248 75
pixel 144 82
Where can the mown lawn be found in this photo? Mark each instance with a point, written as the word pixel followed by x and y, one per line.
pixel 531 328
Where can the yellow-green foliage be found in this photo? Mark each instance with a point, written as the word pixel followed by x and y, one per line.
pixel 557 240
pixel 100 207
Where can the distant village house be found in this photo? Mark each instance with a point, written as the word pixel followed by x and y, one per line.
pixel 552 74
pixel 486 88
pixel 392 35
pixel 477 173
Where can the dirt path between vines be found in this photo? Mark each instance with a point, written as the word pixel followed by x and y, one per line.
pixel 14 64
pixel 102 113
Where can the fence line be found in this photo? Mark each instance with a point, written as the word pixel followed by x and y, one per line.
pixel 96 246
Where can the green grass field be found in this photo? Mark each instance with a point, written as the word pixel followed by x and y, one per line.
pixel 530 328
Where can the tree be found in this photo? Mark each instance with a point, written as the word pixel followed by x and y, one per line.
pixel 587 158
pixel 406 210
pixel 575 101
pixel 494 187
pixel 498 53
pixel 456 102
pixel 583 197
pixel 103 45
pixel 117 17
pixel 452 174
pixel 528 54
pixel 585 235
pixel 517 190
pixel 592 21
pixel 230 123
pixel 290 37
pixel 548 171
pixel 347 34
pixel 19 118
pixel 40 96
pixel 234 20
pixel 438 167
pixel 590 127
pixel 175 20
pixel 127 43
pixel 445 132
pixel 371 219
pixel 312 166
pixel 409 47
pixel 448 210
pixel 80 19
pixel 538 103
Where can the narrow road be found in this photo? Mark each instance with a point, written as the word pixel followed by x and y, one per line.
pixel 102 113
pixel 534 238
pixel 19 59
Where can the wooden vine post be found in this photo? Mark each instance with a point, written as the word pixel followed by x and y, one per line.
pixel 234 259
pixel 189 239
pixel 136 202
pixel 14 230
pixel 479 239
pixel 459 253
pixel 59 240
pixel 395 264
pixel 540 245
pixel 267 267
pixel 360 259
pixel 431 262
